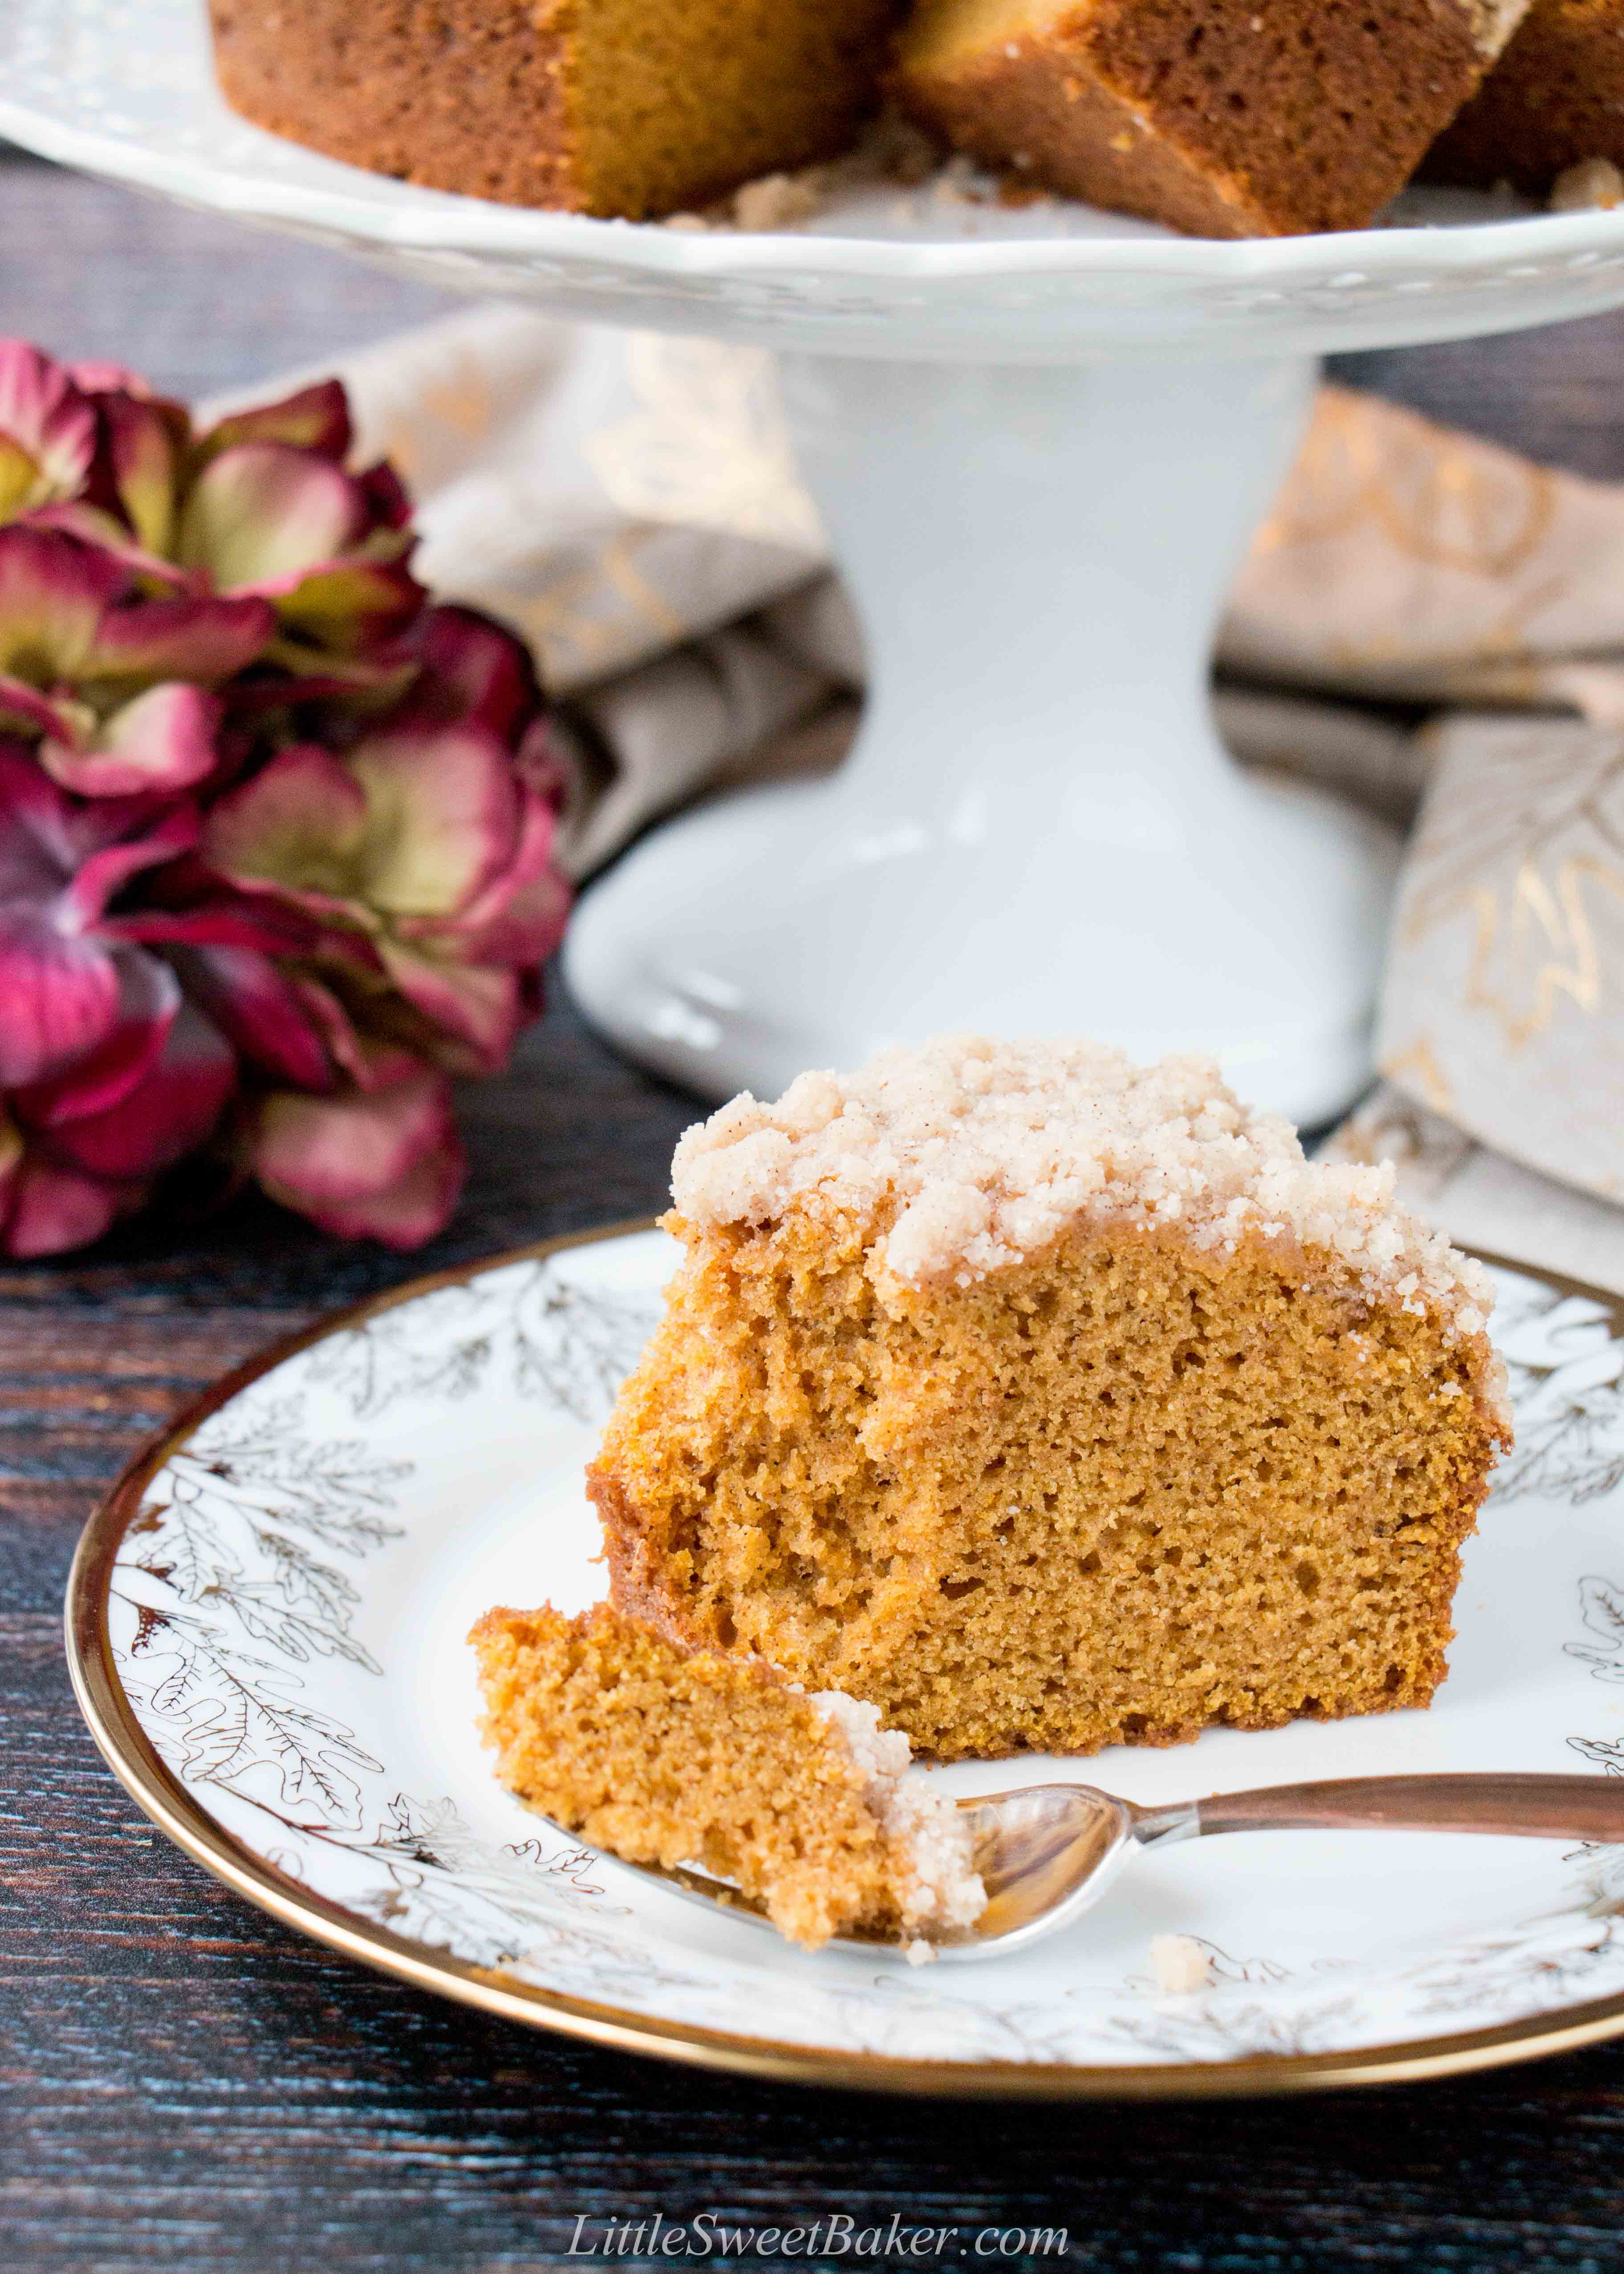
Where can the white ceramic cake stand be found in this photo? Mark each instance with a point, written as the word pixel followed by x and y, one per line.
pixel 1040 437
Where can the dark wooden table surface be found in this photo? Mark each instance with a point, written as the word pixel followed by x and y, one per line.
pixel 184 2083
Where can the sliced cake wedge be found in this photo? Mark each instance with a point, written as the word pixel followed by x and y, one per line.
pixel 1048 1401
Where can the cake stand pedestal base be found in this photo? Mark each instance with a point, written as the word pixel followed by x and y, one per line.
pixel 1038 832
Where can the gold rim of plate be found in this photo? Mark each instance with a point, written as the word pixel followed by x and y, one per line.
pixel 172 1808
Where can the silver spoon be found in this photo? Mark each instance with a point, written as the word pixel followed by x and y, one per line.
pixel 1048 1852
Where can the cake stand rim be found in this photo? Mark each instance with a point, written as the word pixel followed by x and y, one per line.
pixel 171 1807
pixel 404 217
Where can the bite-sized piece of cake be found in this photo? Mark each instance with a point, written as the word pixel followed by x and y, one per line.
pixel 631 107
pixel 671 1757
pixel 1048 1401
pixel 1221 117
pixel 1555 98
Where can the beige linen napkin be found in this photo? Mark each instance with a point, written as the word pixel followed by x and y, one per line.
pixel 631 506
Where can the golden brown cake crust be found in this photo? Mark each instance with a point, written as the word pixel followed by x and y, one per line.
pixel 1555 98
pixel 1222 118
pixel 1113 1493
pixel 605 107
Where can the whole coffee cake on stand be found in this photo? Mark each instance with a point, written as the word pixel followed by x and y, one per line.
pixel 1044 1400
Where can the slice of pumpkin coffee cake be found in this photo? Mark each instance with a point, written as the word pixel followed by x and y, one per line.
pixel 1049 1401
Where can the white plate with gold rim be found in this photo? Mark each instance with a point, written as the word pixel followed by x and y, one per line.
pixel 266 1625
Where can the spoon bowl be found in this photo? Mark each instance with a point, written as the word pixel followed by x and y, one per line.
pixel 1047 1853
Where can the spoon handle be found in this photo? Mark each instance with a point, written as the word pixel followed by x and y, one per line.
pixel 1540 1807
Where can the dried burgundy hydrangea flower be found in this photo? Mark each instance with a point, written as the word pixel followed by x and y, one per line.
pixel 276 832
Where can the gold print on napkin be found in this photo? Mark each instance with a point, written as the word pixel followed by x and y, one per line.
pixel 1402 560
pixel 1548 946
pixel 707 445
pixel 1436 498
pixel 1417 1069
pixel 588 606
pixel 1508 948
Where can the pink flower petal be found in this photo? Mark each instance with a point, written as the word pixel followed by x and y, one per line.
pixel 473 671
pixel 520 915
pixel 260 515
pixel 171 1111
pixel 153 838
pixel 202 640
pixel 164 740
pixel 351 605
pixel 386 1166
pixel 267 1017
pixel 62 856
pixel 299 823
pixel 53 592
pixel 91 524
pixel 387 495
pixel 223 919
pixel 442 817
pixel 102 378
pixel 143 440
pixel 24 710
pixel 316 419
pixel 48 426
pixel 47 838
pixel 58 994
pixel 479 1004
pixel 369 1065
pixel 542 767
pixel 149 1001
pixel 53 1209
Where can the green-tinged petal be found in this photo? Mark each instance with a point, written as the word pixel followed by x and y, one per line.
pixel 53 595
pixel 300 824
pixel 21 481
pixel 316 419
pixel 442 818
pixel 143 449
pixel 47 428
pixel 351 605
pixel 480 1005
pixel 163 740
pixel 262 514
pixel 24 710
pixel 93 524
pixel 203 640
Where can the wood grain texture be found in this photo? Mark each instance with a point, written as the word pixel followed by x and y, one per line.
pixel 184 2084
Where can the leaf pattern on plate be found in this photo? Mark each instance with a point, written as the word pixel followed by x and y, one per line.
pixel 1601 1608
pixel 556 1339
pixel 1564 1361
pixel 228 1718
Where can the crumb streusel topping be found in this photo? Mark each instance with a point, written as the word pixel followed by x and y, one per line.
pixel 969 1154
